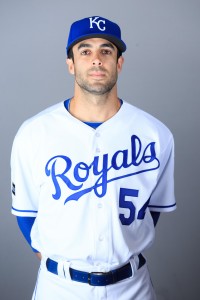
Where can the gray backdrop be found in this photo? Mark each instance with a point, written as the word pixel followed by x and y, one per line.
pixel 161 75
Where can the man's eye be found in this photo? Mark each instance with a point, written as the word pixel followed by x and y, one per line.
pixel 105 51
pixel 85 52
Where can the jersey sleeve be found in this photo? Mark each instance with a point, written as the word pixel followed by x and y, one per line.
pixel 24 189
pixel 163 198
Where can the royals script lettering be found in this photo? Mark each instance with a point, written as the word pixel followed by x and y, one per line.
pixel 133 161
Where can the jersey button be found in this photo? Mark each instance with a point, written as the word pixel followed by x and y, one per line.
pixel 97 134
pixel 99 205
pixel 98 150
pixel 101 238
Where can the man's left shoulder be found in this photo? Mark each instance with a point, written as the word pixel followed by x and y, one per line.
pixel 146 121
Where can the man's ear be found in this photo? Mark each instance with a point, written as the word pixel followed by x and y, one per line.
pixel 120 63
pixel 70 64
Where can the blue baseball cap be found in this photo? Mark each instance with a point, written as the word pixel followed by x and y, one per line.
pixel 94 27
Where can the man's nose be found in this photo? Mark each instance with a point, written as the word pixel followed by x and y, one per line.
pixel 96 61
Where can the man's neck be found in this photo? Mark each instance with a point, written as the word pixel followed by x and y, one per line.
pixel 94 108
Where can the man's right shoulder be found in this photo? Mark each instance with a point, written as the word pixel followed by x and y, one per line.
pixel 39 118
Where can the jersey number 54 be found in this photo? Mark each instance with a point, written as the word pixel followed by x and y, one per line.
pixel 128 204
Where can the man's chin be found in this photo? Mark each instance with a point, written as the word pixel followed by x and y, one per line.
pixel 98 91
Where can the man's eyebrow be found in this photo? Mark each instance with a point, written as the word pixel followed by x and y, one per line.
pixel 84 45
pixel 107 45
pixel 87 45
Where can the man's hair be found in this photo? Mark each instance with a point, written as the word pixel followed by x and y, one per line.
pixel 70 54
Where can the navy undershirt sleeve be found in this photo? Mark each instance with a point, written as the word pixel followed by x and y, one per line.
pixel 155 216
pixel 25 225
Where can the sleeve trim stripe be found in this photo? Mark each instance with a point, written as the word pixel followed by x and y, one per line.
pixel 20 210
pixel 160 206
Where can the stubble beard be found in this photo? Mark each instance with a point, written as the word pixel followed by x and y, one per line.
pixel 98 87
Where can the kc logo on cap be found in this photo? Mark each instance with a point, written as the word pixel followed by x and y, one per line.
pixel 95 27
pixel 93 21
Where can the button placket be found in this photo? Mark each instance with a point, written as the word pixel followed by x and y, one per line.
pixel 97 135
pixel 100 220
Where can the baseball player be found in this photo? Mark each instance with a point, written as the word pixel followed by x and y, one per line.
pixel 90 176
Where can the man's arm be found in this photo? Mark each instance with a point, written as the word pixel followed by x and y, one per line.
pixel 25 225
pixel 155 216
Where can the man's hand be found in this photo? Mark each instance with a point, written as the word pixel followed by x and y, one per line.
pixel 38 254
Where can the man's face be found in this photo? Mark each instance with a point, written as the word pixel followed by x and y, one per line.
pixel 95 65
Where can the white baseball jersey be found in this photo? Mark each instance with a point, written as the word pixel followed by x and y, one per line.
pixel 91 191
